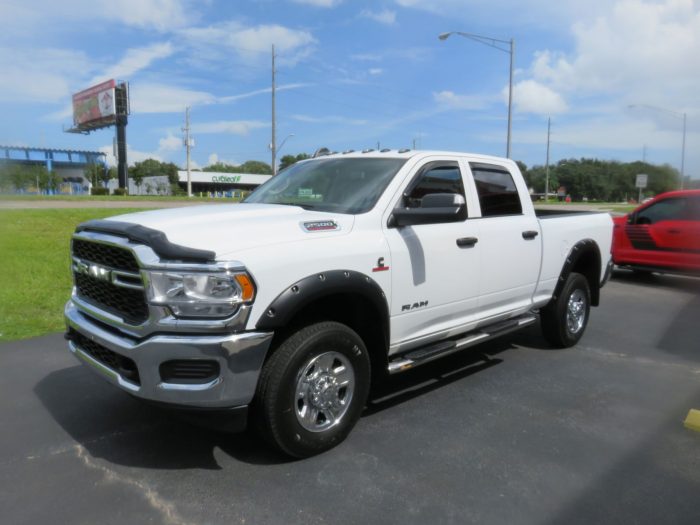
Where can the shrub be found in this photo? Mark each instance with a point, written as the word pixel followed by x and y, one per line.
pixel 120 191
pixel 99 191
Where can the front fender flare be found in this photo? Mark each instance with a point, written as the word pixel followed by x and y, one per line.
pixel 317 286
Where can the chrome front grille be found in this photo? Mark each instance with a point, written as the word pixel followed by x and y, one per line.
pixel 108 277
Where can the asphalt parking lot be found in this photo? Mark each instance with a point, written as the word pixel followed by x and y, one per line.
pixel 509 432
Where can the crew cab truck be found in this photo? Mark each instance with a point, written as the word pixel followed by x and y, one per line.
pixel 282 310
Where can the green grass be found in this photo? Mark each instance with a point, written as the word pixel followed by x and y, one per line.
pixel 35 281
pixel 109 198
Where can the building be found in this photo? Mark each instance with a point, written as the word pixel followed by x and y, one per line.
pixel 222 184
pixel 68 164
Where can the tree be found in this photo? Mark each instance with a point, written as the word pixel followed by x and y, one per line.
pixel 96 174
pixel 249 166
pixel 256 166
pixel 153 168
pixel 288 160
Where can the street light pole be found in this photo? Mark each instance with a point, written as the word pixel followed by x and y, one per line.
pixel 677 114
pixel 501 46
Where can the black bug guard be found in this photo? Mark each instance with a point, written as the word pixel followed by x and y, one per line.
pixel 156 239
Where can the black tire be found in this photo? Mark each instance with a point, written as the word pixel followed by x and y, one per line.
pixel 300 405
pixel 565 318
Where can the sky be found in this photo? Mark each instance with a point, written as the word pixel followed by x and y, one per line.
pixel 614 76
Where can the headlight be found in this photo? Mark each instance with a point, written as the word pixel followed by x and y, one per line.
pixel 196 294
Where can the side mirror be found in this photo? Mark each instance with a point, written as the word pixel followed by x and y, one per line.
pixel 434 208
pixel 631 217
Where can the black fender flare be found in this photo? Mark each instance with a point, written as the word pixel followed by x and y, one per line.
pixel 579 250
pixel 317 286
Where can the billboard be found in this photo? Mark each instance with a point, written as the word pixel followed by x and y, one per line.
pixel 96 106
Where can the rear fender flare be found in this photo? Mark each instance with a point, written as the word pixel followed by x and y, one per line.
pixel 586 247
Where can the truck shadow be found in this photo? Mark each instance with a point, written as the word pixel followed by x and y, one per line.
pixel 656 280
pixel 405 386
pixel 122 430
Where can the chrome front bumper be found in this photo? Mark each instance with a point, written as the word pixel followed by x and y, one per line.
pixel 240 357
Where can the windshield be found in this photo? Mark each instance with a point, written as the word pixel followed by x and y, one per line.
pixel 350 185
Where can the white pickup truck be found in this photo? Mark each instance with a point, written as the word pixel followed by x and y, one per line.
pixel 284 309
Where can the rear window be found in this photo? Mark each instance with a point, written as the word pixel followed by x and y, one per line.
pixel 497 192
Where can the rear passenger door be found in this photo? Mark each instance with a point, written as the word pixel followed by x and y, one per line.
pixel 510 242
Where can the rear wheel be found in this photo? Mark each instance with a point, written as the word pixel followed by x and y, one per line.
pixel 313 388
pixel 564 319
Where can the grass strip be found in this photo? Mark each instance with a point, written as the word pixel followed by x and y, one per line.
pixel 35 280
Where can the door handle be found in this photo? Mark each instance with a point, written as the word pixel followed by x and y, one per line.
pixel 467 242
pixel 530 234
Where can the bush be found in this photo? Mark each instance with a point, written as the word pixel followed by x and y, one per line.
pixel 99 191
pixel 176 190
pixel 120 191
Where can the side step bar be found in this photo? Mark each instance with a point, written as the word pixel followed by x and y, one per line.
pixel 429 353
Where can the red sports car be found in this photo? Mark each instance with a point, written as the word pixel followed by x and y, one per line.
pixel 662 235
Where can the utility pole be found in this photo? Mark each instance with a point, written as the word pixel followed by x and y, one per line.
pixel 378 146
pixel 414 144
pixel 273 142
pixel 644 153
pixel 546 169
pixel 188 144
pixel 685 118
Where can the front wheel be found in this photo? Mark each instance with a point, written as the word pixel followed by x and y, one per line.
pixel 312 390
pixel 564 319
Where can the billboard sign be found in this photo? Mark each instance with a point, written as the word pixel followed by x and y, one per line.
pixel 96 106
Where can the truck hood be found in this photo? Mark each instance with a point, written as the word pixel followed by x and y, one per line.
pixel 227 228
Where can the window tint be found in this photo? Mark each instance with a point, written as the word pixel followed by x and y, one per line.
pixel 665 210
pixel 694 209
pixel 497 192
pixel 435 177
pixel 341 185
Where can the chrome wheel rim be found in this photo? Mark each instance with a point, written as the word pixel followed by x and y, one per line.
pixel 576 312
pixel 324 390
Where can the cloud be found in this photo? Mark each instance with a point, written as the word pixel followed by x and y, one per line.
pixel 329 119
pixel 150 97
pixel 319 3
pixel 529 96
pixel 39 75
pixel 135 60
pixel 455 101
pixel 132 155
pixel 233 127
pixel 385 16
pixel 262 91
pixel 170 143
pixel 375 71
pixel 367 57
pixel 638 50
pixel 161 15
pixel 539 13
pixel 251 44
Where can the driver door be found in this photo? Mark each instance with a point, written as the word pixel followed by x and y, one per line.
pixel 435 274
